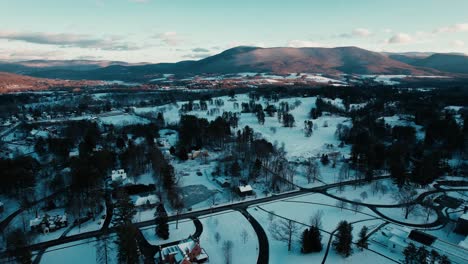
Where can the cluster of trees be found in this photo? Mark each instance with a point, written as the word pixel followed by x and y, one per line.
pixel 197 132
pixel 311 240
pixel 420 255
pixel 18 175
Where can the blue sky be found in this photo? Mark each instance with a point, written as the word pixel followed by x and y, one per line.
pixel 173 30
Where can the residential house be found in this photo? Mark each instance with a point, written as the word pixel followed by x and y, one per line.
pixel 186 252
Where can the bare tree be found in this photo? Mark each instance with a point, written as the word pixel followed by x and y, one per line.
pixel 356 206
pixel 227 251
pixel 364 195
pixel 245 236
pixel 316 219
pixel 406 197
pixel 217 237
pixel 284 230
pixel 427 203
pixel 312 171
pixel 214 198
pixel 341 204
pixel 103 250
pixel 271 216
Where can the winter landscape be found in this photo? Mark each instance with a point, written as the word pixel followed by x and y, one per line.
pixel 234 153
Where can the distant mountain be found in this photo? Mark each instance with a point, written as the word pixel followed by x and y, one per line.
pixel 349 60
pixel 10 82
pixel 452 63
pixel 34 66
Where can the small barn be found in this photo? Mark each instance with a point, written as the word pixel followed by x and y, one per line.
pixel 245 190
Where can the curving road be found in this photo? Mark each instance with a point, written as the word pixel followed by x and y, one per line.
pixel 241 206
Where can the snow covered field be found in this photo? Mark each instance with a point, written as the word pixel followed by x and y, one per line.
pixel 122 120
pixel 296 144
pixel 418 216
pixel 377 192
pixel 77 253
pixel 231 226
pixel 184 229
pixel 330 218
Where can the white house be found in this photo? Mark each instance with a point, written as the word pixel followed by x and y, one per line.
pixel 119 175
pixel 147 200
pixel 399 238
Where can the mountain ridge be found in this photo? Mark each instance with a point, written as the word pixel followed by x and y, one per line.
pixel 339 60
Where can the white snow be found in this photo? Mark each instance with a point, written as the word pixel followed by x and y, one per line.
pixel 230 226
pixel 184 229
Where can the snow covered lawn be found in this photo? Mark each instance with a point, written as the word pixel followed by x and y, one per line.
pixel 123 120
pixel 230 226
pixel 83 251
pixel 417 216
pixel 278 250
pixel 296 144
pixel 184 230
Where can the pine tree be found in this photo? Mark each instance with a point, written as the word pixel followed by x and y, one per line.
pixel 162 226
pixel 127 244
pixel 16 246
pixel 410 254
pixel 257 167
pixel 344 238
pixel 444 260
pixel 362 242
pixel 124 209
pixel 235 169
pixel 422 255
pixel 305 240
pixel 315 239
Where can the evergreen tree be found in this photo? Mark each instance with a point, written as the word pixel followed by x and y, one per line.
pixel 344 238
pixel 305 241
pixel 235 169
pixel 362 242
pixel 124 209
pixel 127 244
pixel 410 253
pixel 422 255
pixel 444 260
pixel 256 169
pixel 315 239
pixel 162 226
pixel 182 154
pixel 16 246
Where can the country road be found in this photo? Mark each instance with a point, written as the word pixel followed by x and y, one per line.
pixel 194 214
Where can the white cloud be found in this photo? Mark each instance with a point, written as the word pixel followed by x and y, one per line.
pixel 303 44
pixel 200 50
pixel 458 43
pixel 400 38
pixel 361 32
pixel 463 27
pixel 170 38
pixel 68 40
pixel 357 33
